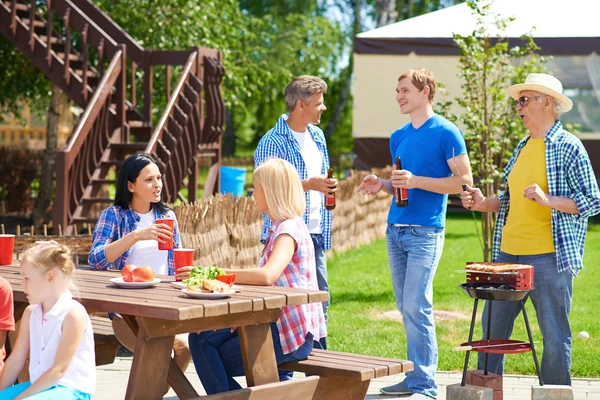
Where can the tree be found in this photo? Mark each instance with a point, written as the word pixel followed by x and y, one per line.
pixel 265 43
pixel 490 123
pixel 22 83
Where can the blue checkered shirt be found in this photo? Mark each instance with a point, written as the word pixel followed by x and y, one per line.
pixel 113 224
pixel 570 175
pixel 280 142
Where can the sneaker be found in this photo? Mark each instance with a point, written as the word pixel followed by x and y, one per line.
pixel 398 389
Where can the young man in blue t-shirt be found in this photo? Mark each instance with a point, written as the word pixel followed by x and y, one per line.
pixel 415 233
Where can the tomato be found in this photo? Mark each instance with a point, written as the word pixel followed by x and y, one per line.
pixel 143 273
pixel 127 271
pixel 227 278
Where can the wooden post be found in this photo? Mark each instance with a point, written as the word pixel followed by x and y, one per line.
pixel 2 227
pixel 45 230
pixel 59 230
pixel 121 94
pixel 147 86
pixel 18 230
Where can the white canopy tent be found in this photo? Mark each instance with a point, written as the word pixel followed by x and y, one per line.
pixel 567 31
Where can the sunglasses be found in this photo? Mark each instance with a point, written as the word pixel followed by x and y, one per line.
pixel 522 101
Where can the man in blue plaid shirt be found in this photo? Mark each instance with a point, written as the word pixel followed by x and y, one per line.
pixel 550 191
pixel 297 139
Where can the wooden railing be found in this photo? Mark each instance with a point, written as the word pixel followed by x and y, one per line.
pixel 76 164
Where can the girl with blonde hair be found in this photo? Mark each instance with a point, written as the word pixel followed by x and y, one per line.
pixel 287 260
pixel 55 332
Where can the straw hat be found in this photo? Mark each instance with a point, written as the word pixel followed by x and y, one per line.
pixel 543 83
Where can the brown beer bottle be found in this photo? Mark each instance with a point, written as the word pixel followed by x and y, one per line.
pixel 330 201
pixel 401 195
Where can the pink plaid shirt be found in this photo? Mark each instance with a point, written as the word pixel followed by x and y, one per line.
pixel 295 322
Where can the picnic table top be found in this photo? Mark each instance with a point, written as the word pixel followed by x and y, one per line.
pixel 95 291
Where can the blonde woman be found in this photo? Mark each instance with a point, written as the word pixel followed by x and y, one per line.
pixel 288 260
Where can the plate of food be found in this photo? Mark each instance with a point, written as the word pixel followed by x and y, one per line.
pixel 134 285
pixel 209 289
pixel 181 285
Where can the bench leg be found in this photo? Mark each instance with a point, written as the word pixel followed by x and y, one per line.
pixel 332 387
pixel 11 339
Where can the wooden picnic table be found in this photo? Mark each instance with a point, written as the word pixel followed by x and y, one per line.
pixel 157 314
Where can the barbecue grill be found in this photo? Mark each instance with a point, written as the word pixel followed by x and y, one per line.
pixel 491 285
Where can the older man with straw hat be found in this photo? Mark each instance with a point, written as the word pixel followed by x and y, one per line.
pixel 550 190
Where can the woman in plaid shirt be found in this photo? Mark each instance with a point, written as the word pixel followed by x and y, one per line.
pixel 550 192
pixel 126 233
pixel 288 260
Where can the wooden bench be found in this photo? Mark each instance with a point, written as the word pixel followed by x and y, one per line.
pixel 333 375
pixel 106 343
pixel 346 375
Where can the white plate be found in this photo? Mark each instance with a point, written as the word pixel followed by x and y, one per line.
pixel 181 285
pixel 202 295
pixel 134 285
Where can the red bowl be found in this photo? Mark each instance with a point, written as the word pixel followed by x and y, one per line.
pixel 227 278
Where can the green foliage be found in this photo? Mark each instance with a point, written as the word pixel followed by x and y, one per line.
pixel 21 82
pixel 488 66
pixel 264 45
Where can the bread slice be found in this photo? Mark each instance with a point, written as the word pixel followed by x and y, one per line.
pixel 198 288
pixel 216 286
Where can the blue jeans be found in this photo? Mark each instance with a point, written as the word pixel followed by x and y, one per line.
pixel 321 261
pixel 54 393
pixel 414 253
pixel 217 357
pixel 552 297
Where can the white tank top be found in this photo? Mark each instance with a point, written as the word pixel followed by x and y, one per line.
pixel 45 333
pixel 146 252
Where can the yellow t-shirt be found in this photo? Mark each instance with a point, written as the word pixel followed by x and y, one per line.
pixel 528 228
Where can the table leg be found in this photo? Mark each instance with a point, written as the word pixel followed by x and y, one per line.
pixel 175 378
pixel 258 355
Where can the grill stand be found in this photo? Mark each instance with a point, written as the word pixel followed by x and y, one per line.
pixel 489 323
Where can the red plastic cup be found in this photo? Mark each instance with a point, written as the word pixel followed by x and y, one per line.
pixel 7 245
pixel 168 245
pixel 182 258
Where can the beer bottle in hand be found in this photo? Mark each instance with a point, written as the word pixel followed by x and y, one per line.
pixel 401 195
pixel 330 201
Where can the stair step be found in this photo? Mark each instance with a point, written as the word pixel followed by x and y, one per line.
pixel 72 57
pixel 103 181
pixel 76 220
pixel 54 40
pixel 111 163
pixel 36 23
pixel 104 200
pixel 139 124
pixel 22 7
pixel 131 147
pixel 89 73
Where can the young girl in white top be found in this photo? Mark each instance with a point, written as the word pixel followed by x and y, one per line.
pixel 56 332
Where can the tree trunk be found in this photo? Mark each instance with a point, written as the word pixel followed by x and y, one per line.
pixel 43 203
pixel 385 12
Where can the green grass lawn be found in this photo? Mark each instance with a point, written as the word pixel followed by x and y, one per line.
pixel 361 291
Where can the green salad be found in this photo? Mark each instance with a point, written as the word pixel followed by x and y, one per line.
pixel 199 274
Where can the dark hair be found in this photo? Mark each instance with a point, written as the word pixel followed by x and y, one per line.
pixel 129 172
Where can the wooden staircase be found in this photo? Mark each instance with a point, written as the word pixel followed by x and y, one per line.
pixel 98 65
